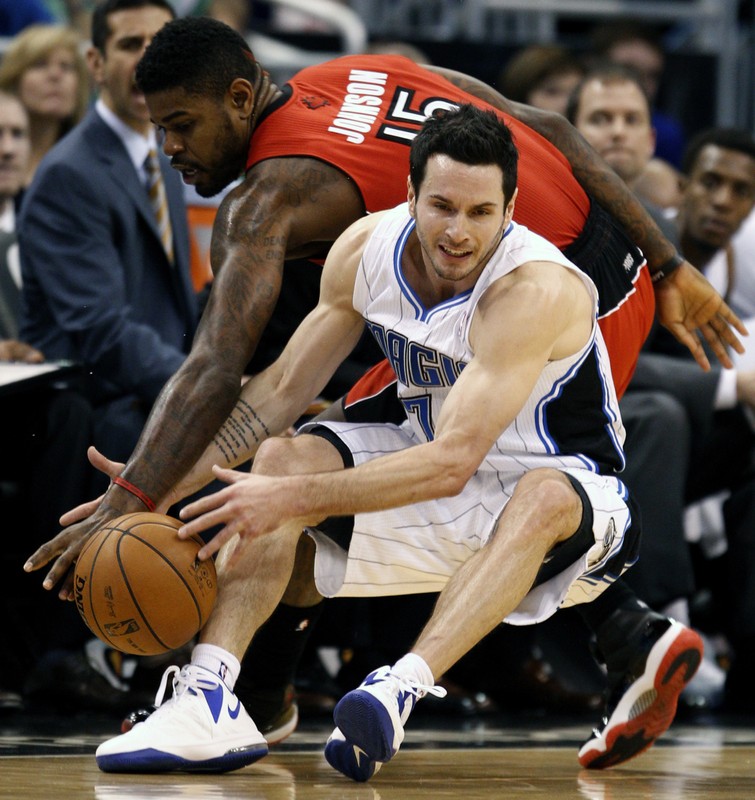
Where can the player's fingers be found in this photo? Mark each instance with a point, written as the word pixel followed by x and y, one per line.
pixel 216 543
pixel 715 342
pixel 41 556
pixel 727 335
pixel 58 571
pixel 204 504
pixel 732 320
pixel 228 475
pixel 111 468
pixel 202 521
pixel 80 512
pixel 66 590
pixel 692 343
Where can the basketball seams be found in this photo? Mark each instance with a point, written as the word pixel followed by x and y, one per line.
pixel 157 617
pixel 107 532
pixel 128 581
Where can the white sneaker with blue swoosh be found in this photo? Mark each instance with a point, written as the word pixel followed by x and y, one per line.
pixel 372 717
pixel 202 728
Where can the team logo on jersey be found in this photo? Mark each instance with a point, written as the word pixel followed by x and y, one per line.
pixel 313 101
pixel 608 539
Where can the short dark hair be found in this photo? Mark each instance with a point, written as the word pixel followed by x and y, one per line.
pixel 469 135
pixel 201 55
pixel 737 139
pixel 100 28
pixel 610 72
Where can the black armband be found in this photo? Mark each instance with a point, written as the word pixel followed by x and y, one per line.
pixel 667 268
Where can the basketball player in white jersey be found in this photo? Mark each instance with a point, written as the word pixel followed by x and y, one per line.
pixel 505 382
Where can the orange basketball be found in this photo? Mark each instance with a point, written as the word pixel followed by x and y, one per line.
pixel 140 588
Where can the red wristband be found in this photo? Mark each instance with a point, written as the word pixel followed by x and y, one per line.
pixel 136 491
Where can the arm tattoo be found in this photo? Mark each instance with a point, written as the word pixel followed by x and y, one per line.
pixel 243 425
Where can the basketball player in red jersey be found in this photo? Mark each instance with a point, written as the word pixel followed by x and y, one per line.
pixel 319 153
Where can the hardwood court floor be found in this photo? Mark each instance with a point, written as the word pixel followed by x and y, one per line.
pixel 44 758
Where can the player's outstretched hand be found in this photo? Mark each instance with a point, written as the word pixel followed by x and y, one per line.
pixel 81 523
pixel 687 303
pixel 250 506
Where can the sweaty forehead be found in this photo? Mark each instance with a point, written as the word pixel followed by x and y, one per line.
pixel 174 103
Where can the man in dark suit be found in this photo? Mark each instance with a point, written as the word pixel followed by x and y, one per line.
pixel 105 263
pixel 106 282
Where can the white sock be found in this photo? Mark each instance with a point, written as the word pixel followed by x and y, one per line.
pixel 415 667
pixel 224 664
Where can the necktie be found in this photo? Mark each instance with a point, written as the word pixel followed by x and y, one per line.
pixel 159 202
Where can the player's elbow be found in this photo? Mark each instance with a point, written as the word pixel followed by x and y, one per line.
pixel 456 466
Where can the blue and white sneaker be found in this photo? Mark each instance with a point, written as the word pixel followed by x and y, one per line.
pixel 202 728
pixel 372 717
pixel 349 759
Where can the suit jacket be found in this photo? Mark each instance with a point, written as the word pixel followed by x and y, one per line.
pixel 98 286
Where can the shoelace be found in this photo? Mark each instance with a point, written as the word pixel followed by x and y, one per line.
pixel 186 678
pixel 410 686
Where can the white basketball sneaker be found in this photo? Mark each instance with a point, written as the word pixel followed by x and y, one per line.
pixel 372 717
pixel 202 728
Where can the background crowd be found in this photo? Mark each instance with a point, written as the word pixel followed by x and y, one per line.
pixel 104 263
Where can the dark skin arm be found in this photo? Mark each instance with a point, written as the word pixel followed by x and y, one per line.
pixel 285 208
pixel 685 301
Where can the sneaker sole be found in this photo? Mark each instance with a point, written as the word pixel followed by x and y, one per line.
pixel 363 720
pixel 649 706
pixel 152 761
pixel 350 760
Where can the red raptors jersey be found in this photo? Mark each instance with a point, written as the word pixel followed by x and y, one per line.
pixel 360 114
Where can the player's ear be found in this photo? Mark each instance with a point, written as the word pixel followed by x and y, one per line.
pixel 411 196
pixel 509 212
pixel 241 96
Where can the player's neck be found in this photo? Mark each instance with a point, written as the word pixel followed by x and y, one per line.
pixel 265 91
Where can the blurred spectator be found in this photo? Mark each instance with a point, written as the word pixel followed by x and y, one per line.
pixel 14 156
pixel 640 46
pixel 611 110
pixel 542 76
pixel 681 422
pixel 15 15
pixel 106 280
pixel 44 427
pixel 45 68
pixel 106 283
pixel 742 294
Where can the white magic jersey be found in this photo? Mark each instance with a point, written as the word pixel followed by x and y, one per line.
pixel 572 412
pixel 570 422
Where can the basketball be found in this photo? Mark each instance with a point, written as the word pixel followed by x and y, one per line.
pixel 141 589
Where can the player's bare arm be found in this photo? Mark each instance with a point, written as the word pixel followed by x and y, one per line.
pixel 284 206
pixel 496 384
pixel 280 394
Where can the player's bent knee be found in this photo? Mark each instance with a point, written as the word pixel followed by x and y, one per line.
pixel 302 454
pixel 274 457
pixel 552 497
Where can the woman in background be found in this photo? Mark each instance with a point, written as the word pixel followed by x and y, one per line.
pixel 44 66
